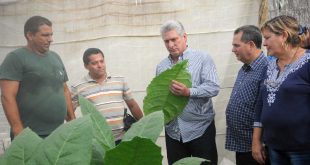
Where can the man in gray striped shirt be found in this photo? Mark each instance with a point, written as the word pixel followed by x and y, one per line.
pixel 193 132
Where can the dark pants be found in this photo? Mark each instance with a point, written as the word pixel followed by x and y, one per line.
pixel 202 147
pixel 289 158
pixel 117 142
pixel 245 158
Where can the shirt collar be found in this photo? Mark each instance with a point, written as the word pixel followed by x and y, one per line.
pixel 90 79
pixel 181 57
pixel 255 64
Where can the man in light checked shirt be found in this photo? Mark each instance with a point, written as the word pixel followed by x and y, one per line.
pixel 193 132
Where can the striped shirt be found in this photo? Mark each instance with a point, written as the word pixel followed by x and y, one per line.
pixel 198 113
pixel 109 98
pixel 240 111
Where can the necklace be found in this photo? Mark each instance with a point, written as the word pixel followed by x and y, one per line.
pixel 282 66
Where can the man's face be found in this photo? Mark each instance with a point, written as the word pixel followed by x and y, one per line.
pixel 41 40
pixel 175 43
pixel 241 49
pixel 96 65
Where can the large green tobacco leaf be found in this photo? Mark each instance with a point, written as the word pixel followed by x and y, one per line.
pixel 158 96
pixel 101 130
pixel 190 161
pixel 69 144
pixel 22 148
pixel 149 127
pixel 138 151
pixel 97 153
pixel 3 160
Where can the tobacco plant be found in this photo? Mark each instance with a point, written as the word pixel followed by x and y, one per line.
pixel 89 141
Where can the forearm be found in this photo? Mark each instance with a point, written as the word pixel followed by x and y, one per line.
pixel 205 80
pixel 70 109
pixel 135 109
pixel 257 135
pixel 12 114
pixel 210 89
pixel 258 151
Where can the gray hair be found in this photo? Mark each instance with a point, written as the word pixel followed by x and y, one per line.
pixel 172 25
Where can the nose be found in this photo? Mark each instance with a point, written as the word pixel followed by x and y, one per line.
pixel 264 43
pixel 233 49
pixel 100 65
pixel 170 44
pixel 50 38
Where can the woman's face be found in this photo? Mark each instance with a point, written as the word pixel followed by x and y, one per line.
pixel 274 43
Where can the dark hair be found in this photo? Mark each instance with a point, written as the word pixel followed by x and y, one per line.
pixel 90 51
pixel 250 33
pixel 33 23
pixel 279 24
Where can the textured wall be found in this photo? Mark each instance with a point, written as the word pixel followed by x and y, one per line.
pixel 299 9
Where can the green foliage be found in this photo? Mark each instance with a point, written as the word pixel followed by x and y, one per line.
pixel 101 130
pixel 89 140
pixel 68 143
pixel 159 97
pixel 145 127
pixel 23 148
pixel 138 151
pixel 76 142
pixel 97 153
pixel 190 161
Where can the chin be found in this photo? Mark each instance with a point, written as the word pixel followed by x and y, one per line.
pixel 270 53
pixel 175 54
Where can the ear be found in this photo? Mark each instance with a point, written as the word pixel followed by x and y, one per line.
pixel 185 37
pixel 29 36
pixel 252 44
pixel 285 35
pixel 85 66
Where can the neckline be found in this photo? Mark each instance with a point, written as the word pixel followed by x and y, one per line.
pixel 292 60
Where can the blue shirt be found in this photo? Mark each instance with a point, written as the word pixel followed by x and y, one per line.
pixel 198 113
pixel 240 112
pixel 283 108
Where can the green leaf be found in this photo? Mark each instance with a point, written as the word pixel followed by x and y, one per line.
pixel 101 129
pixel 69 144
pixel 149 126
pixel 138 151
pixel 97 153
pixel 190 161
pixel 3 160
pixel 22 147
pixel 158 96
